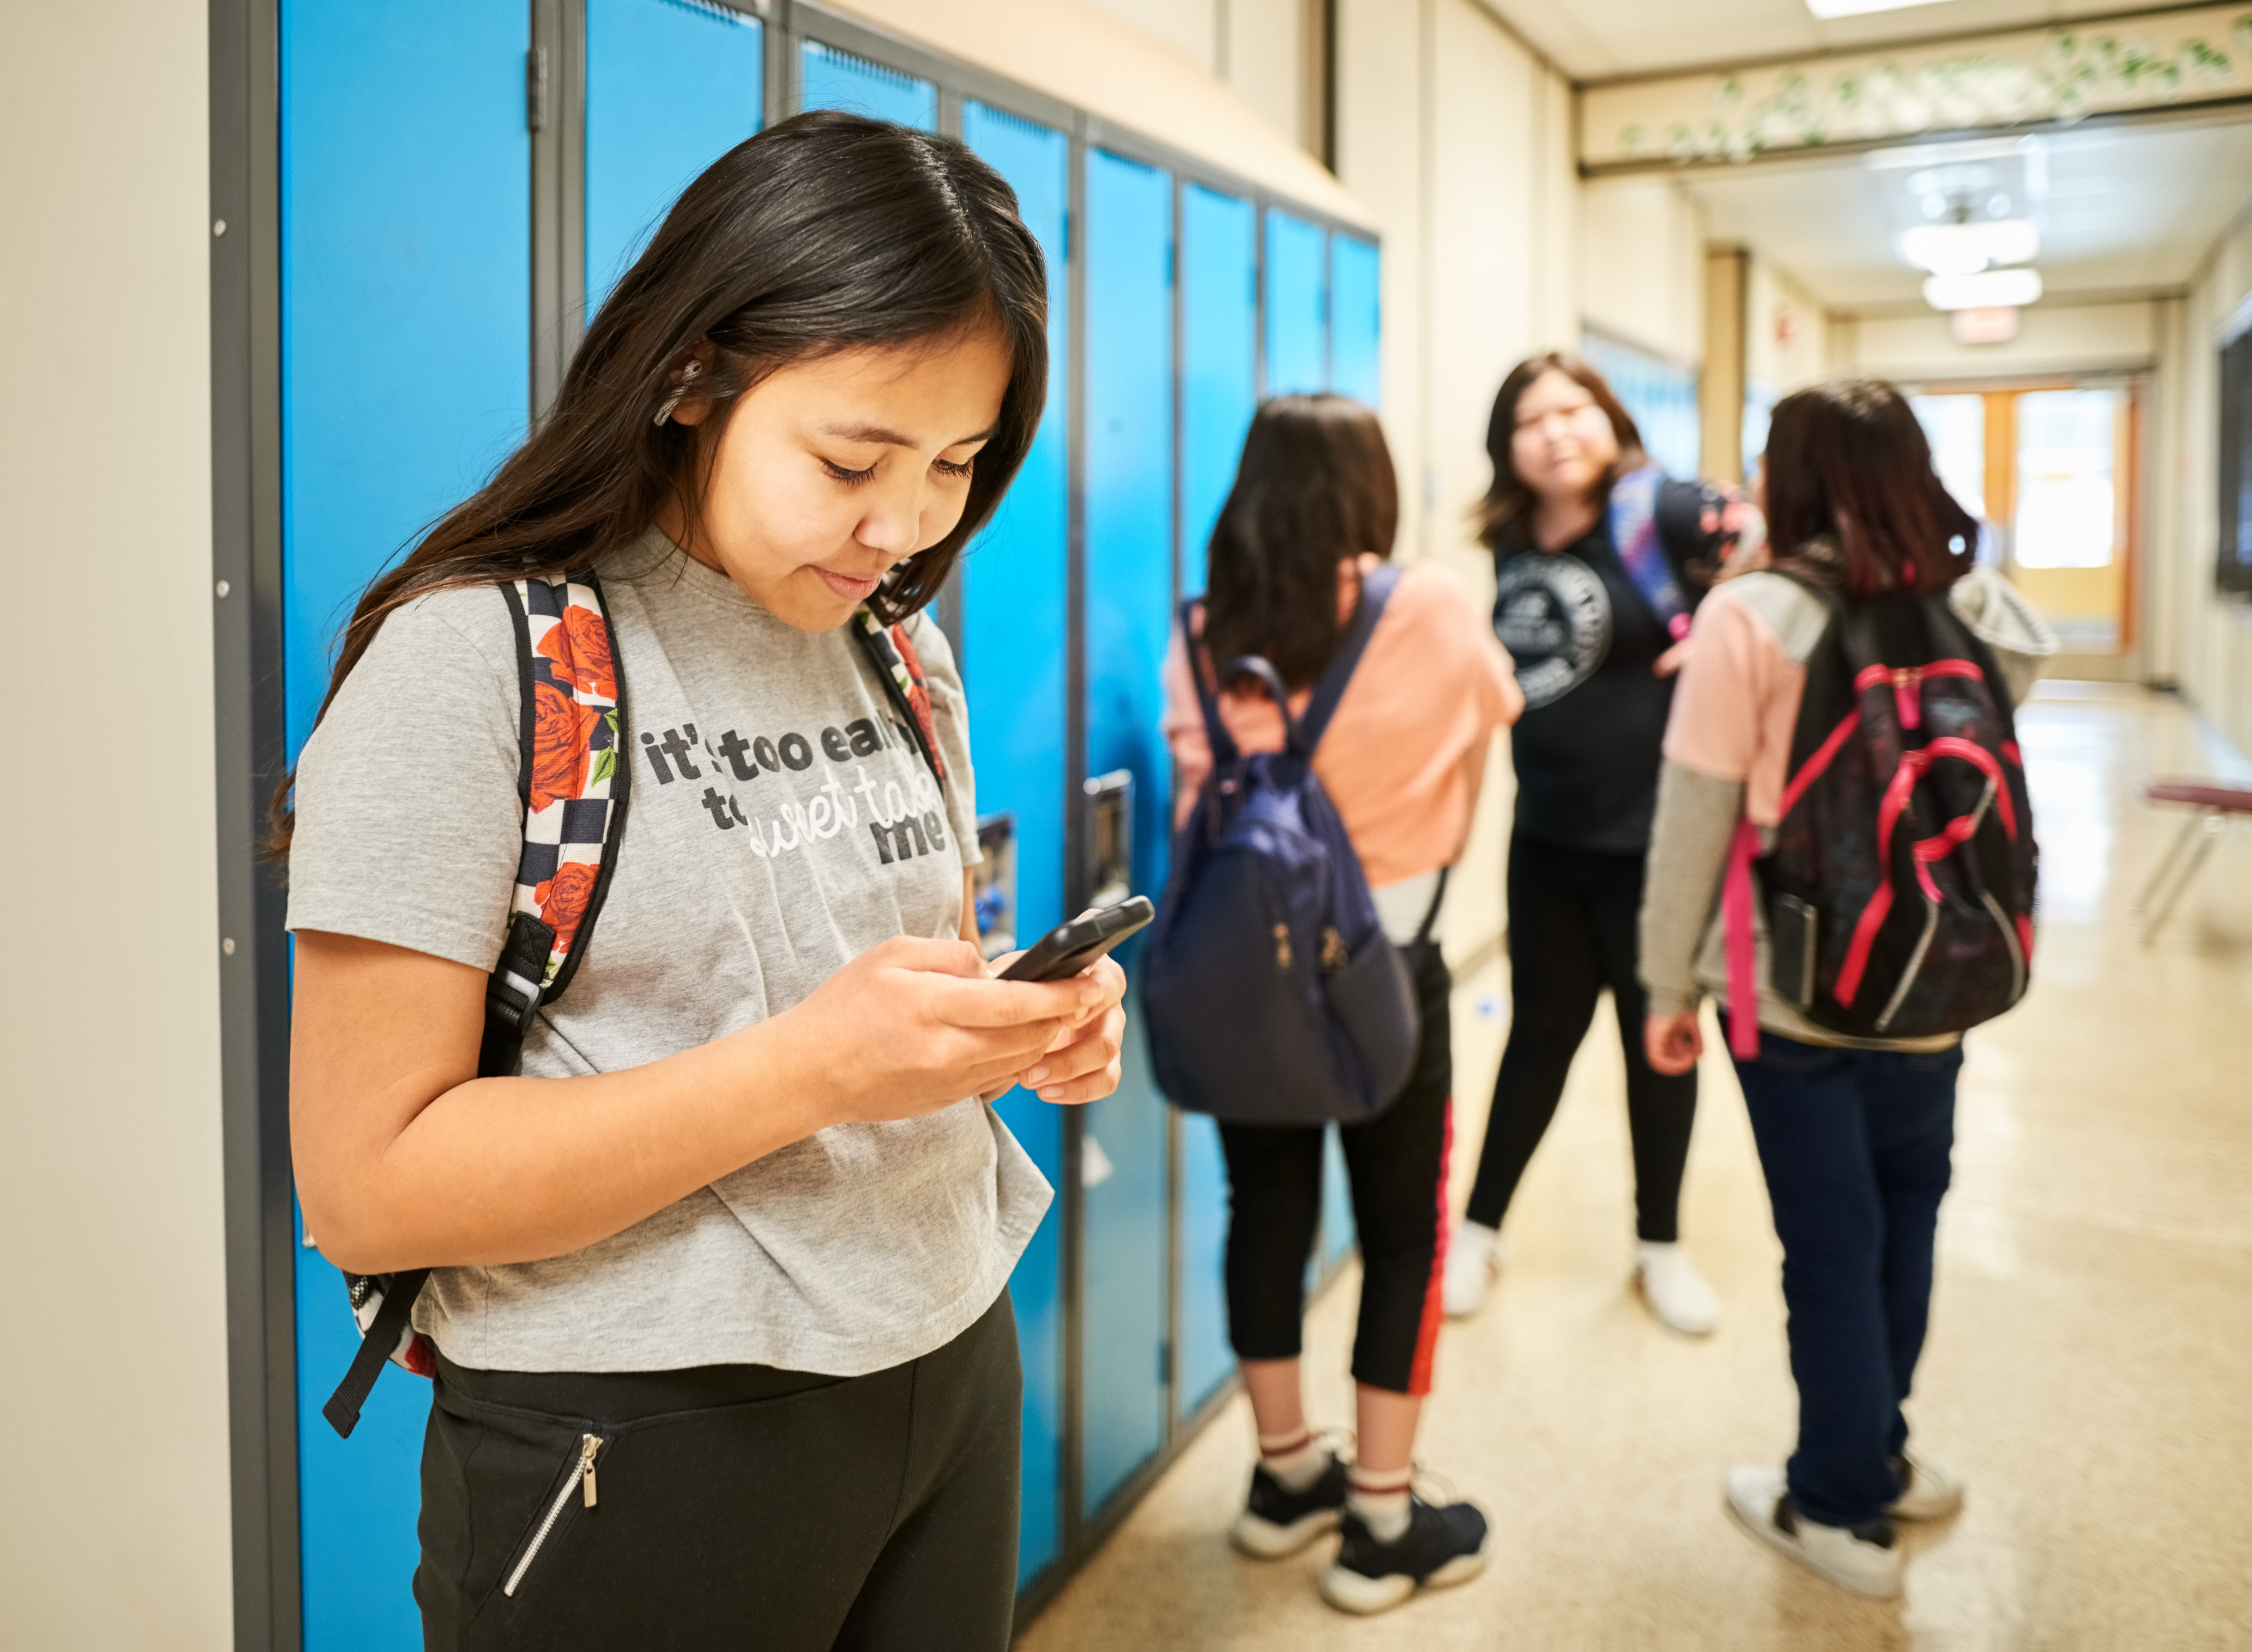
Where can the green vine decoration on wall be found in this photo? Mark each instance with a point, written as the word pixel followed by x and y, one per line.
pixel 2075 71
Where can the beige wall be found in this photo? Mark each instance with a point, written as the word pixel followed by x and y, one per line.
pixel 2053 338
pixel 1191 27
pixel 114 1512
pixel 1785 330
pixel 1269 59
pixel 1259 47
pixel 1457 138
pixel 1642 268
pixel 2208 637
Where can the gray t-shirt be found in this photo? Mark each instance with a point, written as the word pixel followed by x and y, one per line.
pixel 754 862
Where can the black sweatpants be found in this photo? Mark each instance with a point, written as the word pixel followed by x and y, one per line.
pixel 734 1506
pixel 1397 1163
pixel 1573 917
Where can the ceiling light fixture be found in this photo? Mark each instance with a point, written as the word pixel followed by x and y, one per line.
pixel 1966 248
pixel 1827 9
pixel 1988 289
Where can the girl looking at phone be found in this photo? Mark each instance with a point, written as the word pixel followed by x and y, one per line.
pixel 732 1244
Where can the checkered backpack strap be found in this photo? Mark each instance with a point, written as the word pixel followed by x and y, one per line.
pixel 571 785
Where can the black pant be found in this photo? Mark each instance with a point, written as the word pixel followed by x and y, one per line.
pixel 1397 1163
pixel 1573 916
pixel 1857 1146
pixel 736 1506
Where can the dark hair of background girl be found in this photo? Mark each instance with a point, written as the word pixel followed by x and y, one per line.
pixel 1852 498
pixel 1508 501
pixel 826 231
pixel 1315 487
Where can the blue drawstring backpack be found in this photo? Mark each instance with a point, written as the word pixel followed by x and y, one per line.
pixel 1269 990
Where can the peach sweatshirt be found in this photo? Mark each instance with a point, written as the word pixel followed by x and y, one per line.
pixel 1405 753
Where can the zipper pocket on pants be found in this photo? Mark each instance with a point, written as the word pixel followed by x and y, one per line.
pixel 579 1482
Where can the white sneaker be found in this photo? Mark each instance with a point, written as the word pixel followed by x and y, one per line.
pixel 1675 1291
pixel 1473 1257
pixel 1928 1491
pixel 1865 1560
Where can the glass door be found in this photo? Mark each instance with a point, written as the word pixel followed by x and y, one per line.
pixel 2068 537
pixel 2049 469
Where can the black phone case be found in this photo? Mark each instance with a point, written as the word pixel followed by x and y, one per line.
pixel 1088 938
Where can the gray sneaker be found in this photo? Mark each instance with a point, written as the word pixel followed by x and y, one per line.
pixel 1864 1558
pixel 1928 1491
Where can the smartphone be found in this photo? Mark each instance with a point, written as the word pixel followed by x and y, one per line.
pixel 1791 932
pixel 1069 948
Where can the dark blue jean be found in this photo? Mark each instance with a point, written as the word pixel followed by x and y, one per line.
pixel 1855 1144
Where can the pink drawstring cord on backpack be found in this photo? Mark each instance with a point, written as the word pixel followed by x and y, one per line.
pixel 1736 930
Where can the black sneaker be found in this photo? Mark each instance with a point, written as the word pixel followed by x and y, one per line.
pixel 1277 1521
pixel 1444 1544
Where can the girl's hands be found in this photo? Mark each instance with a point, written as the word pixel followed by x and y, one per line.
pixel 1672 660
pixel 914 1025
pixel 1082 1065
pixel 1673 1043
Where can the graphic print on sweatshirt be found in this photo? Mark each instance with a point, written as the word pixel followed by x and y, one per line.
pixel 1553 615
pixel 782 791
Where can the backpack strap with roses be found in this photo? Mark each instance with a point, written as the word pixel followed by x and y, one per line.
pixel 572 788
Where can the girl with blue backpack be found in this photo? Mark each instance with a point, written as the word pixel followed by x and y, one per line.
pixel 1599 559
pixel 1843 854
pixel 707 1256
pixel 1400 684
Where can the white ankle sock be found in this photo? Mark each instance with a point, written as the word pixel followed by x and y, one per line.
pixel 1381 1500
pixel 1300 1462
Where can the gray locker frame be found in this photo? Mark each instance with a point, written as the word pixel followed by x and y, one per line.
pixel 249 718
pixel 248 639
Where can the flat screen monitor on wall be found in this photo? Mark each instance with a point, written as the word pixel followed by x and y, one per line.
pixel 2233 571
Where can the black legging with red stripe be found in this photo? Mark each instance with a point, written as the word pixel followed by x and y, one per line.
pixel 1397 1164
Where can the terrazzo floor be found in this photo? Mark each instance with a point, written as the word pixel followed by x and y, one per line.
pixel 2089 1370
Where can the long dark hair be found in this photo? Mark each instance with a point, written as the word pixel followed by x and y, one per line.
pixel 1502 512
pixel 1851 497
pixel 1315 487
pixel 826 231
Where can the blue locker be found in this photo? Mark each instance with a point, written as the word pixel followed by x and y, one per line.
pixel 1219 359
pixel 1129 588
pixel 405 366
pixel 1220 369
pixel 671 87
pixel 830 78
pixel 1015 586
pixel 1356 325
pixel 1297 306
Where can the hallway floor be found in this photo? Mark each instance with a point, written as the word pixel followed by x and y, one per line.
pixel 2089 1371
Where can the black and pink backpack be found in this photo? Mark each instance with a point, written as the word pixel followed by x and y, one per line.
pixel 1899 886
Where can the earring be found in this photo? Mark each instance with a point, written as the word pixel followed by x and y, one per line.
pixel 688 376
